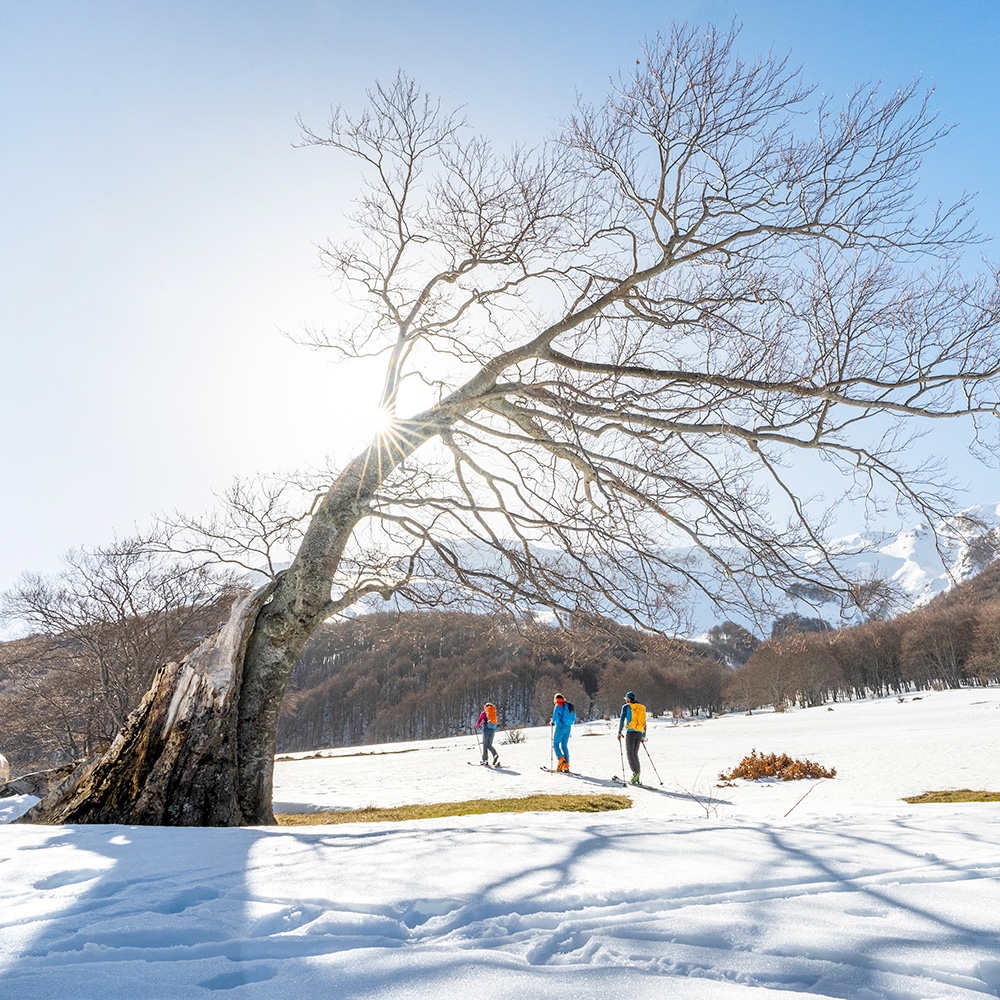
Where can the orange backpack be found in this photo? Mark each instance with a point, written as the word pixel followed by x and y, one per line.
pixel 491 713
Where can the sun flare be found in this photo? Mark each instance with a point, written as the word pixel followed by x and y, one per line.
pixel 376 421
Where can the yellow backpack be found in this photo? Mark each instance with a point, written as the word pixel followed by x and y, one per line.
pixel 638 717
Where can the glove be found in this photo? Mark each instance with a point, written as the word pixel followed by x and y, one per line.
pixel 619 736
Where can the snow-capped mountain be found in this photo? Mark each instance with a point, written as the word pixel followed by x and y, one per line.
pixel 922 565
pixel 917 563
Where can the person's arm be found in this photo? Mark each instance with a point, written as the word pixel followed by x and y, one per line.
pixel 623 719
pixel 480 720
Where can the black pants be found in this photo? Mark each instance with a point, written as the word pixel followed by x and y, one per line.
pixel 488 743
pixel 632 740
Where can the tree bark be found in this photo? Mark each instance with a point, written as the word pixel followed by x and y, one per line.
pixel 199 749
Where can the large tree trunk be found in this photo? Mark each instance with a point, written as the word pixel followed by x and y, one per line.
pixel 175 761
pixel 199 749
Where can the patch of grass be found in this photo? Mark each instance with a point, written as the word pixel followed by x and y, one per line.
pixel 333 755
pixel 472 807
pixel 954 795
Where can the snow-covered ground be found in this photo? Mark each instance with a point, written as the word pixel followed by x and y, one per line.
pixel 696 892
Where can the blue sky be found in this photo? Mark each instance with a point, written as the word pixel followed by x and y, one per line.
pixel 159 224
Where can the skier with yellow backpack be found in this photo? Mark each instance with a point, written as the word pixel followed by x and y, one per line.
pixel 633 721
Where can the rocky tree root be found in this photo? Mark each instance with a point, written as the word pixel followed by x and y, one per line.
pixel 175 761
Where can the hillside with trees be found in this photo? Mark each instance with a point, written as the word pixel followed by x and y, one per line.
pixel 951 641
pixel 97 632
pixel 418 675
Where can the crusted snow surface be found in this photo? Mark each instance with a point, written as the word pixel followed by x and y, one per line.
pixel 699 891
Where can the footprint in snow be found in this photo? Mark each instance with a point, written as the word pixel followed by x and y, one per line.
pixel 74 877
pixel 240 977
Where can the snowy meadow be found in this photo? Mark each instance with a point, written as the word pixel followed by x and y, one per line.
pixel 833 887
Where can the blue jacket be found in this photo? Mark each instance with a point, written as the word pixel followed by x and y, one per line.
pixel 562 717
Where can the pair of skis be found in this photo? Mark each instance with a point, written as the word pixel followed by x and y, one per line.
pixel 627 784
pixel 614 777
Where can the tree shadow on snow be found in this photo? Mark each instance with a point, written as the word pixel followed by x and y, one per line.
pixel 525 904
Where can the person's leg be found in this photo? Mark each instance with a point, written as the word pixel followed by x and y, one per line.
pixel 487 742
pixel 562 747
pixel 632 741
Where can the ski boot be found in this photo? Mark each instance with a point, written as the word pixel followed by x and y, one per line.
pixel 635 779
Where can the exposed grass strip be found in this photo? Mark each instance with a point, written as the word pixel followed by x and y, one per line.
pixel 954 795
pixel 471 807
pixel 332 755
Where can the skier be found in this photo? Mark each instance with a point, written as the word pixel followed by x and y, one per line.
pixel 633 721
pixel 488 720
pixel 563 716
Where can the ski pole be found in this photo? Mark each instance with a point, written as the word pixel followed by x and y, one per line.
pixel 621 753
pixel 478 742
pixel 657 773
pixel 551 738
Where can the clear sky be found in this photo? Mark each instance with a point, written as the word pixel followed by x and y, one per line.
pixel 158 224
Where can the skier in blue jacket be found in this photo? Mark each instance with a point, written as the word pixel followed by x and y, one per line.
pixel 563 717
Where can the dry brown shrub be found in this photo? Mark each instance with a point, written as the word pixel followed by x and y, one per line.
pixel 776 765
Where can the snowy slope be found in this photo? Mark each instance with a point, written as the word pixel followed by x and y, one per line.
pixel 919 565
pixel 697 892
pixel 923 568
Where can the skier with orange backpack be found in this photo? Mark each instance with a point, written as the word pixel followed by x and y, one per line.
pixel 488 720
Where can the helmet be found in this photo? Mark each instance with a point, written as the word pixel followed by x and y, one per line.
pixel 630 696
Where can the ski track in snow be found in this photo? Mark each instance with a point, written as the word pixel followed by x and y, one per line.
pixel 855 894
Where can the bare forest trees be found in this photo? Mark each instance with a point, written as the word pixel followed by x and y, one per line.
pixel 99 630
pixel 953 640
pixel 381 678
pixel 650 331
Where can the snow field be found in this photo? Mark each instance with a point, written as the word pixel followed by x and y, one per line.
pixel 853 894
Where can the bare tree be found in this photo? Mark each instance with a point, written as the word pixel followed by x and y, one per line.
pixel 96 633
pixel 648 331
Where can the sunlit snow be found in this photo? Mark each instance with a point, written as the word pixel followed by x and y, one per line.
pixel 830 888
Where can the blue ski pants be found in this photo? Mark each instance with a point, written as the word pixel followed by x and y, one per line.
pixel 488 742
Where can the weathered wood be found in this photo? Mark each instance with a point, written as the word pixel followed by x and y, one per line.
pixel 199 749
pixel 38 783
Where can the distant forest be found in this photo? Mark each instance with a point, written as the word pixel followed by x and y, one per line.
pixel 382 678
pixel 953 640
pixel 389 677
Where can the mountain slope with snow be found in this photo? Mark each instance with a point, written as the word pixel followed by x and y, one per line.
pixel 917 562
